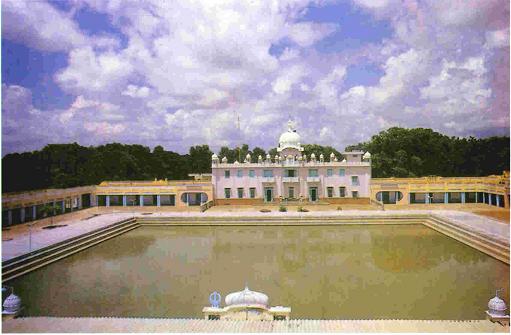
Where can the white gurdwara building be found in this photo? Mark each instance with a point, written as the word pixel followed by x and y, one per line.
pixel 292 176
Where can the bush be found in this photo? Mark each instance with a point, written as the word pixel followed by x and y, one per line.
pixel 339 208
pixel 301 209
pixel 264 210
pixel 282 209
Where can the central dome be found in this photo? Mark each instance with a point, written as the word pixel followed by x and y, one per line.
pixel 290 138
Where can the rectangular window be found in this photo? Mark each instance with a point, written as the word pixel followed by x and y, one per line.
pixel 240 173
pixel 251 173
pixel 313 172
pixel 291 173
pixel 167 200
pixel 291 192
pixel 329 172
pixel 330 192
pixel 227 174
pixel 240 193
pixel 227 192
pixel 252 192
pixel 355 181
pixel 342 191
pixel 268 173
pixel 354 194
pixel 342 172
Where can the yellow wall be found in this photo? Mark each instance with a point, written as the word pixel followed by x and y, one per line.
pixel 491 184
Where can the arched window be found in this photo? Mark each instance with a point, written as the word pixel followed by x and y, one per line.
pixel 389 197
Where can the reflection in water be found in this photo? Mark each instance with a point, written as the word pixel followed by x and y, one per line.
pixel 403 249
pixel 342 272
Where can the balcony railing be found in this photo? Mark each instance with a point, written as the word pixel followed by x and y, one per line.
pixel 290 179
pixel 312 179
pixel 268 179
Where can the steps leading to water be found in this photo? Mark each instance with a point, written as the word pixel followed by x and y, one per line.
pixel 23 264
pixel 486 244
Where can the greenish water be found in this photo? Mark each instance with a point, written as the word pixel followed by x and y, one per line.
pixel 339 272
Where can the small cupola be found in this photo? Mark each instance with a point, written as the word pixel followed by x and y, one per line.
pixel 497 306
pixel 247 298
pixel 12 305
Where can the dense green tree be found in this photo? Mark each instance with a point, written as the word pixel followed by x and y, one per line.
pixel 256 153
pixel 200 158
pixel 396 152
pixel 399 152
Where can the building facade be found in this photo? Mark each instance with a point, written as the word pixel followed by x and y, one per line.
pixel 491 190
pixel 291 175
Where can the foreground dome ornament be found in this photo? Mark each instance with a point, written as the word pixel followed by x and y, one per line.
pixel 244 305
pixel 246 297
pixel 497 310
pixel 12 305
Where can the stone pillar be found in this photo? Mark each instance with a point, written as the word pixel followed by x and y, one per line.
pixel 141 201
pixel 124 201
pixel 63 210
pixel 158 200
pixel 107 201
pixel 446 197
pixel 9 217
pixel 462 197
pixel 54 204
pixel 22 214
pixel 489 199
pixel 79 200
pixel 34 212
pixel 498 200
pixel 477 195
pixel 426 198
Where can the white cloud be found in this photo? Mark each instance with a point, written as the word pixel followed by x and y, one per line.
pixel 497 38
pixel 307 33
pixel 135 91
pixel 288 77
pixel 193 67
pixel 39 25
pixel 89 71
pixel 460 88
pixel 104 129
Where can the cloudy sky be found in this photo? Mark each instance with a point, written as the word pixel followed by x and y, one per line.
pixel 179 73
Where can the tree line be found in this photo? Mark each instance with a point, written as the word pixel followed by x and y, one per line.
pixel 396 152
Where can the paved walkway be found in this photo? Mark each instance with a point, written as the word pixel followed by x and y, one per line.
pixel 139 325
pixel 77 226
pixel 37 237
